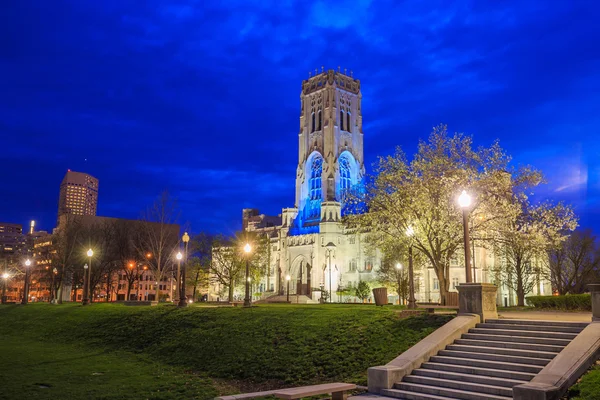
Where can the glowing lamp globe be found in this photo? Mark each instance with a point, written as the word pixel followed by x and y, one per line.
pixel 287 277
pixel 247 248
pixel 398 266
pixel 179 256
pixel 90 252
pixel 27 262
pixel 5 276
pixel 464 200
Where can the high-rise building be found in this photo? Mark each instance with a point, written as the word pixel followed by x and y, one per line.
pixel 11 238
pixel 78 194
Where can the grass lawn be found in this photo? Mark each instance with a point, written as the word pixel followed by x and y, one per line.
pixel 112 351
pixel 588 387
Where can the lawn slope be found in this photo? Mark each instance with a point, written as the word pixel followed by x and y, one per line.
pixel 259 348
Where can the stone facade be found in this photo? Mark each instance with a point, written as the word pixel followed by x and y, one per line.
pixel 331 160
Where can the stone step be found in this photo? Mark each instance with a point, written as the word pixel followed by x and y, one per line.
pixel 510 345
pixel 503 351
pixel 510 332
pixel 518 339
pixel 453 384
pixel 518 367
pixel 537 328
pixel 537 322
pixel 440 391
pixel 477 379
pixel 403 394
pixel 494 357
pixel 490 372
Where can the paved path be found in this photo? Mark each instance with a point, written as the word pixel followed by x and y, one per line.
pixel 547 315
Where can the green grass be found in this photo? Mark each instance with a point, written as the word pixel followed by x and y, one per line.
pixel 249 349
pixel 588 387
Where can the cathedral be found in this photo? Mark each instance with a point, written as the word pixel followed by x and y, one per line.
pixel 308 243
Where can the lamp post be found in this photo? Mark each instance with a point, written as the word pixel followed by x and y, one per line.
pixel 287 278
pixel 5 277
pixel 412 302
pixel 52 296
pixel 329 249
pixel 247 250
pixel 26 284
pixel 90 292
pixel 182 298
pixel 464 200
pixel 85 301
pixel 179 256
pixel 399 278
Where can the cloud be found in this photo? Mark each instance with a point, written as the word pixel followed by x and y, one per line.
pixel 202 97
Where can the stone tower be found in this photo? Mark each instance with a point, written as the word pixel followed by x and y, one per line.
pixel 330 156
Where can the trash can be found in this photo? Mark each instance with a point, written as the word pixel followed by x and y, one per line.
pixel 381 297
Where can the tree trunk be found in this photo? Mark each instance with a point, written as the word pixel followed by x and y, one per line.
pixel 128 290
pixel 231 291
pixel 108 287
pixel 444 289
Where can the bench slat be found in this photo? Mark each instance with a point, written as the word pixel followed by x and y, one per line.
pixel 306 391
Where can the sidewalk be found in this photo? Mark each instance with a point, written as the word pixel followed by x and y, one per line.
pixel 547 315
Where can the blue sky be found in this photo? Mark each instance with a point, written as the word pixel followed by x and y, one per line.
pixel 202 98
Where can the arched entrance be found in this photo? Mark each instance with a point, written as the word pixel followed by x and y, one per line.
pixel 301 274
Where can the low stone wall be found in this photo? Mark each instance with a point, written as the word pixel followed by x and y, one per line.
pixel 384 377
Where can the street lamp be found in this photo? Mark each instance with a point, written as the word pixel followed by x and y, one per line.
pixel 287 278
pixel 182 298
pixel 464 201
pixel 399 268
pixel 90 292
pixel 26 285
pixel 85 300
pixel 412 302
pixel 247 250
pixel 5 277
pixel 329 249
pixel 179 256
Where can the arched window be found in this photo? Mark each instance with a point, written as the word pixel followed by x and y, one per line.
pixel 345 180
pixel 320 121
pixel 341 120
pixel 315 179
pixel 312 126
pixel 348 122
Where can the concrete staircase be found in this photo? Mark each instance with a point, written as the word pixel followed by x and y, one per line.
pixel 488 361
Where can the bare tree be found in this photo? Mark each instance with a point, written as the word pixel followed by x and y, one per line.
pixel 65 244
pixel 158 237
pixel 125 251
pixel 574 263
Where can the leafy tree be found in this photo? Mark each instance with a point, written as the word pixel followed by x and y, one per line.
pixel 422 194
pixel 363 290
pixel 523 240
pixel 228 264
pixel 574 263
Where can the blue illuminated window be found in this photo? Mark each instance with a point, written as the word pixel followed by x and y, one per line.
pixel 312 126
pixel 345 180
pixel 315 179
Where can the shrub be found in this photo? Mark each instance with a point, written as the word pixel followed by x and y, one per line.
pixel 579 302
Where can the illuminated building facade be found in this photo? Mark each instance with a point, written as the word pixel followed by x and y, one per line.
pixel 78 194
pixel 308 242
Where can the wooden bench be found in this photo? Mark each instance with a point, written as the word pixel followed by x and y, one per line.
pixel 337 390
